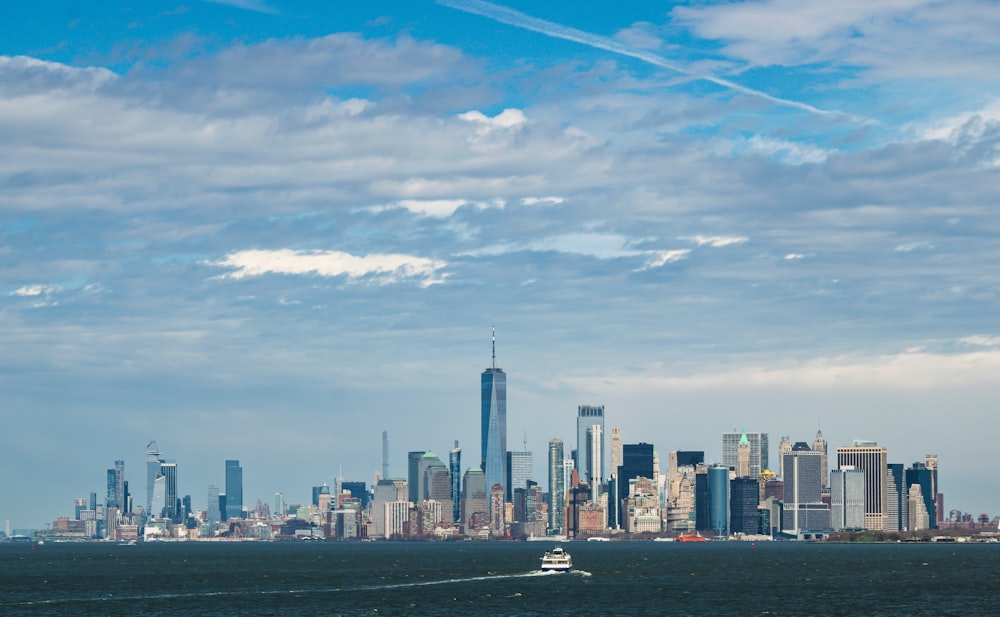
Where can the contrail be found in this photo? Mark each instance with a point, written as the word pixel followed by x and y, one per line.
pixel 518 19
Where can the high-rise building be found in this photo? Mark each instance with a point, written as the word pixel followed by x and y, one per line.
pixel 758 451
pixel 819 445
pixel 783 448
pixel 387 490
pixel 847 499
pixel 921 475
pixel 557 487
pixel 152 471
pixel 494 423
pixel 520 468
pixel 701 498
pixel 427 462
pixel 438 488
pixel 234 489
pixel 587 417
pixel 168 469
pixel 872 459
pixel 616 450
pixel 455 469
pixel 279 504
pixel 744 497
pixel 413 475
pixel 897 505
pixel 743 456
pixel 385 454
pixel 214 514
pixel 498 513
pixel 475 501
pixel 718 499
pixel 114 492
pixel 637 462
pixel 804 509
pixel 595 459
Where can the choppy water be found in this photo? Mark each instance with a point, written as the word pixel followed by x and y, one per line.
pixel 499 579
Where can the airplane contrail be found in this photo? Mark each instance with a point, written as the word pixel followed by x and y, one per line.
pixel 518 19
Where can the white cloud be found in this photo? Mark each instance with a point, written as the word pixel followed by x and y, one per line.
pixel 384 268
pixel 981 340
pixel 258 6
pixel 716 241
pixel 598 245
pixel 438 208
pixel 34 290
pixel 909 247
pixel 507 119
pixel 534 201
pixel 657 259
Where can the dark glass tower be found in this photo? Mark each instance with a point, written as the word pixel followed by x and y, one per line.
pixel 455 469
pixel 234 489
pixel 494 423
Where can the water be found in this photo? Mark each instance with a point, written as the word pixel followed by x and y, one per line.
pixel 773 579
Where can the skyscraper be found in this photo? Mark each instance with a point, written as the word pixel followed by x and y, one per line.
pixel 804 509
pixel 520 468
pixel 783 448
pixel 152 471
pixel 385 454
pixel 819 445
pixel 557 487
pixel 847 499
pixel 758 451
pixel 616 450
pixel 413 475
pixel 168 469
pixel 588 416
pixel 427 462
pixel 214 513
pixel 494 423
pixel 920 475
pixel 455 469
pixel 595 459
pixel 234 489
pixel 744 497
pixel 872 459
pixel 718 499
pixel 475 502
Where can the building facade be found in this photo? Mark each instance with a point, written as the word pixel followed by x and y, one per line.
pixel 872 459
pixel 493 427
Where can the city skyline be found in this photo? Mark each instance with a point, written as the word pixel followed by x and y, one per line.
pixel 268 231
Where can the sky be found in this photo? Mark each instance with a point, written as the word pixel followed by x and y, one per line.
pixel 271 229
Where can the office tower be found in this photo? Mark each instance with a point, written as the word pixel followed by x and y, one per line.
pixel 744 498
pixel 557 487
pixel 701 498
pixel 387 490
pixel 931 463
pixel 152 471
pixel 112 498
pixel 427 462
pixel 234 489
pixel 357 490
pixel 494 423
pixel 498 512
pixel 758 451
pixel 437 480
pixel 870 458
pixel 616 450
pixel 595 459
pixel 675 460
pixel 279 504
pixel 920 475
pixel 783 448
pixel 718 499
pixel 897 505
pixel 455 469
pixel 520 468
pixel 396 517
pixel 847 499
pixel 475 502
pixel 743 456
pixel 920 517
pixel 413 475
pixel 587 417
pixel 819 445
pixel 168 469
pixel 804 509
pixel 637 462
pixel 385 454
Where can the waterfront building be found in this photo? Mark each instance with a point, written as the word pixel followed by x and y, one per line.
pixel 152 472
pixel 803 492
pixel 897 503
pixel 744 498
pixel 428 461
pixel 870 458
pixel 919 516
pixel 557 487
pixel 718 499
pixel 758 450
pixel 234 489
pixel 587 417
pixel 920 475
pixel 214 514
pixel 494 423
pixel 847 499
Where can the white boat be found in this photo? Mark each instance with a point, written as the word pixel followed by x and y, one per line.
pixel 557 560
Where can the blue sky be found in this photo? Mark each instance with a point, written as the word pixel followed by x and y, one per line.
pixel 270 230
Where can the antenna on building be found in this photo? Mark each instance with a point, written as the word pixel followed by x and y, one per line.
pixel 525 448
pixel 494 328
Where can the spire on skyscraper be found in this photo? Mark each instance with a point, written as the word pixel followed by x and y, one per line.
pixel 494 330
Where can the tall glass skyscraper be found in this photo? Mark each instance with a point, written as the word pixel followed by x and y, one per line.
pixel 557 487
pixel 455 469
pixel 234 489
pixel 494 423
pixel 588 416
